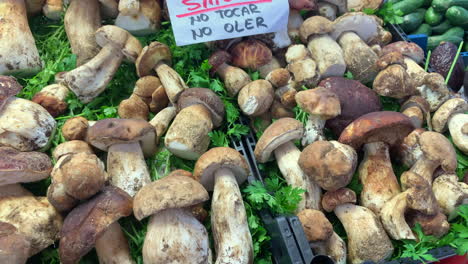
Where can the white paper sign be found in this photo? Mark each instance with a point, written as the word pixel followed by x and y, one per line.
pixel 195 21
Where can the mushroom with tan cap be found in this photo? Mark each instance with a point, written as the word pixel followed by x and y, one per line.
pixel 9 87
pixel 458 127
pixel 89 222
pixel 377 132
pixel 367 240
pixel 19 52
pixel 320 234
pixel 418 110
pixel 25 125
pixel 324 50
pixel 75 128
pixel 393 80
pixel 146 86
pixel 278 138
pixel 222 170
pixel 109 8
pixel 133 108
pixel 205 97
pixel 14 247
pixel 82 19
pixel 156 57
pixel 174 235
pixel 409 150
pixel 145 21
pixel 53 98
pixel 302 67
pixel 452 115
pixel 256 97
pixel 53 9
pixel 91 78
pixel 450 193
pixel 234 77
pixel 321 104
pixel 431 225
pixel 16 166
pixel 128 142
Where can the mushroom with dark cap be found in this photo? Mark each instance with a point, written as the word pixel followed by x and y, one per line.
pixel 355 98
pixel 157 57
pixel 25 125
pixel 431 225
pixel 323 48
pixel 53 98
pixel 53 9
pixel 256 97
pixel 19 52
pixel 14 247
pixel 9 87
pixel 234 77
pixel 16 166
pixel 205 97
pixel 222 170
pixel 367 240
pixel 128 142
pixel 377 131
pixel 145 21
pixel 88 222
pixel 450 193
pixel 418 110
pixel 251 54
pixel 91 78
pixel 321 104
pixel 174 235
pixel 278 138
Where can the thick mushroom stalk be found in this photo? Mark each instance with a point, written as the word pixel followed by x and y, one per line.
pixel 278 138
pixel 393 219
pixel 112 246
pixel 234 77
pixel 450 193
pixel 222 170
pixel 256 97
pixel 19 53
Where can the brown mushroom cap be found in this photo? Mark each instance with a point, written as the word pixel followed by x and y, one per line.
pixel 315 25
pixel 71 147
pixel 88 221
pixel 316 225
pixel 447 110
pixel 166 193
pixel 217 59
pixel 420 103
pixel 133 108
pixel 278 77
pixel 408 49
pixel 75 128
pixel 355 98
pixel 145 87
pixel 159 100
pixel 331 199
pixel 250 54
pixel 281 131
pixel 437 148
pixel 420 196
pixel 394 81
pixel 319 101
pixel 388 127
pixel 218 158
pixel 436 225
pixel 330 164
pixel 14 247
pixel 205 97
pixel 111 131
pixel 16 166
pixel 150 56
pixel 48 99
pixel 389 59
pixel 8 87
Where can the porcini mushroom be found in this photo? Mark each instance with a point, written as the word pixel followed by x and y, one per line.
pixel 53 9
pixel 133 108
pixel 321 104
pixel 377 131
pixel 128 142
pixel 145 87
pixel 174 234
pixel 418 110
pixel 205 97
pixel 75 128
pixel 9 87
pixel 450 193
pixel 234 77
pixel 53 98
pixel 251 54
pixel 222 170
pixel 302 67
pixel 458 127
pixel 146 20
pixel 256 97
pixel 161 120
pixel 441 118
pixel 19 52
pixel 278 138
pixel 14 247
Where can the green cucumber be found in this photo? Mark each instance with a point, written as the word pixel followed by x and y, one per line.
pixel 442 5
pixel 454 35
pixel 432 17
pixel 408 6
pixel 423 29
pixel 457 16
pixel 412 21
pixel 442 27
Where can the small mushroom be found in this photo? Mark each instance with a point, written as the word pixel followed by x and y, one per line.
pixel 145 87
pixel 53 98
pixel 128 142
pixel 159 100
pixel 234 77
pixel 145 21
pixel 450 193
pixel 16 166
pixel 157 57
pixel 75 128
pixel 14 247
pixel 431 225
pixel 133 108
pixel 53 9
pixel 443 115
pixel 19 52
pixel 222 170
pixel 377 131
pixel 25 125
pixel 88 223
pixel 458 127
pixel 278 138
pixel 251 54
pixel 205 97
pixel 394 81
pixel 9 87
pixel 418 110
pixel 321 104
pixel 434 90
pixel 256 97
pixel 174 234
pixel 302 67
pixel 422 199
pixel 367 240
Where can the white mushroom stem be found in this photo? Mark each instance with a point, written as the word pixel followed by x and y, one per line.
pixel 127 168
pixel 377 177
pixel 334 247
pixel 393 219
pixel 450 193
pixel 112 246
pixel 90 79
pixel 234 78
pixel 171 80
pixel 19 54
pixel 328 55
pixel 233 242
pixel 367 240
pixel 313 130
pixel 162 120
pixel 287 157
pixel 458 127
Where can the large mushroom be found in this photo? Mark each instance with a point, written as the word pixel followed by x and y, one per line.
pixel 450 193
pixel 19 53
pixel 146 20
pixel 452 115
pixel 377 131
pixel 222 170
pixel 128 142
pixel 174 235
pixel 278 138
